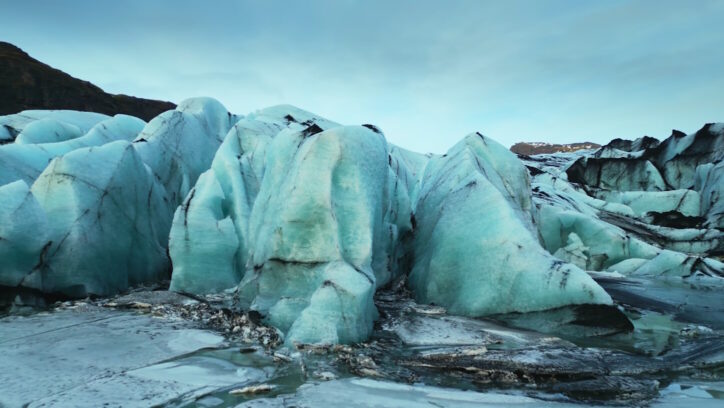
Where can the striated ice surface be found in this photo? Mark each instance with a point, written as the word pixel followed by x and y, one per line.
pixel 687 202
pixel 710 183
pixel 107 223
pixel 24 229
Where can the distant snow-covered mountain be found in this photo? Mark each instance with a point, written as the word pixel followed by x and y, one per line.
pixel 531 148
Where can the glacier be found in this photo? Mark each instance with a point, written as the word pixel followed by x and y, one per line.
pixel 307 219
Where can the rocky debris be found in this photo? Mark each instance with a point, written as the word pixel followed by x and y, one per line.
pixel 210 313
pixel 498 356
pixel 599 390
pixel 325 376
pixel 252 389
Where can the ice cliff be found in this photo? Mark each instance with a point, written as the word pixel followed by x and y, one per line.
pixel 307 218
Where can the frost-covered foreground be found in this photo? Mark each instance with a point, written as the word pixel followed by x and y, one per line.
pixel 309 218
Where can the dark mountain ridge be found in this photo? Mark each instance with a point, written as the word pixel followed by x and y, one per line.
pixel 26 83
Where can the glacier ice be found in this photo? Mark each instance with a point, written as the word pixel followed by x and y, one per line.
pixel 106 216
pixel 48 131
pixel 320 232
pixel 42 126
pixel 476 250
pixel 710 184
pixel 308 218
pixel 20 161
pixel 211 226
pixel 638 208
pixel 23 230
pixel 101 204
pixel 312 217
pixel 178 145
pixel 686 202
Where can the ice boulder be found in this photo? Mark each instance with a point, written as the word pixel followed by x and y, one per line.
pixel 48 131
pixel 320 233
pixel 605 244
pixel 574 252
pixel 209 242
pixel 476 250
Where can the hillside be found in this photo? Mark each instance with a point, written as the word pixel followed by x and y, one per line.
pixel 26 83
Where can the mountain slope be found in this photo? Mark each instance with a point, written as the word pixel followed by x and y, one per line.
pixel 26 83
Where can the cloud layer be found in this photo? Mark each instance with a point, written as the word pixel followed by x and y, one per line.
pixel 426 72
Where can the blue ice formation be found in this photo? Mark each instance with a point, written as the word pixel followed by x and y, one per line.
pixel 311 217
pixel 307 218
pixel 90 214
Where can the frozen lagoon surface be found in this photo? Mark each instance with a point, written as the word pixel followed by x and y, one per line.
pixel 137 352
pixel 314 263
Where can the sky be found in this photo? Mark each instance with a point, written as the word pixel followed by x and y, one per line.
pixel 426 72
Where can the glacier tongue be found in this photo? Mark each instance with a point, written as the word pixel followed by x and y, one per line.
pixel 307 218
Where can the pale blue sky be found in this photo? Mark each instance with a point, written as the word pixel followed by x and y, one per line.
pixel 426 72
